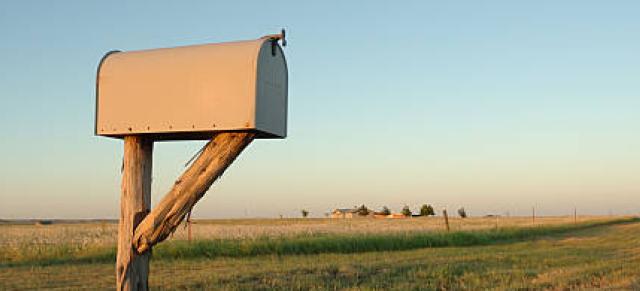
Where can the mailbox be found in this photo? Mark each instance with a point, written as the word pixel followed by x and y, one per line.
pixel 192 92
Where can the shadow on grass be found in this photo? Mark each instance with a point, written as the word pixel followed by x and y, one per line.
pixel 318 244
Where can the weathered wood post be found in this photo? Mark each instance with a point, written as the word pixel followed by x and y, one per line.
pixel 228 94
pixel 132 268
pixel 533 215
pixel 446 218
pixel 189 227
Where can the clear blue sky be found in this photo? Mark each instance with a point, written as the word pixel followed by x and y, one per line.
pixel 491 105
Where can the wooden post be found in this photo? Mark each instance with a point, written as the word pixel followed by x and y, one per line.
pixel 446 218
pixel 575 216
pixel 189 227
pixel 132 268
pixel 533 215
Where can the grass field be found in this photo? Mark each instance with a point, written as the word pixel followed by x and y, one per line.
pixel 339 254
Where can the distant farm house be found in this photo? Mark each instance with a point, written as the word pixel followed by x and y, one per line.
pixel 396 215
pixel 344 213
pixel 379 215
pixel 354 213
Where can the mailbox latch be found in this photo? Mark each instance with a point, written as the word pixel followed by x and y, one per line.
pixel 274 40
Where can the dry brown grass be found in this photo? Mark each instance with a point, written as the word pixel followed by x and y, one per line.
pixel 103 234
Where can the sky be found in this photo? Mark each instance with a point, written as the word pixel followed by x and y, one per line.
pixel 497 106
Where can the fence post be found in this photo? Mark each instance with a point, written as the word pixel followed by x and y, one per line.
pixel 446 218
pixel 189 227
pixel 533 215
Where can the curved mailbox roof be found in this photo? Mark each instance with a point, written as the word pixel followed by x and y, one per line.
pixel 192 92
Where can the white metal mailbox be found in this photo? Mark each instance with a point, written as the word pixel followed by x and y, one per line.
pixel 193 91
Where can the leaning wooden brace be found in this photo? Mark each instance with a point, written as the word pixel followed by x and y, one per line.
pixel 217 155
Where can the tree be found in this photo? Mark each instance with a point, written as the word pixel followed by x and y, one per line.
pixel 385 210
pixel 427 210
pixel 462 212
pixel 406 211
pixel 363 210
pixel 305 213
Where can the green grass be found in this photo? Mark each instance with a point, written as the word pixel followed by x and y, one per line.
pixel 584 256
pixel 299 245
pixel 307 245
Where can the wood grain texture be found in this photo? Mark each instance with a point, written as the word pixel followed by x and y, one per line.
pixel 216 156
pixel 132 268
